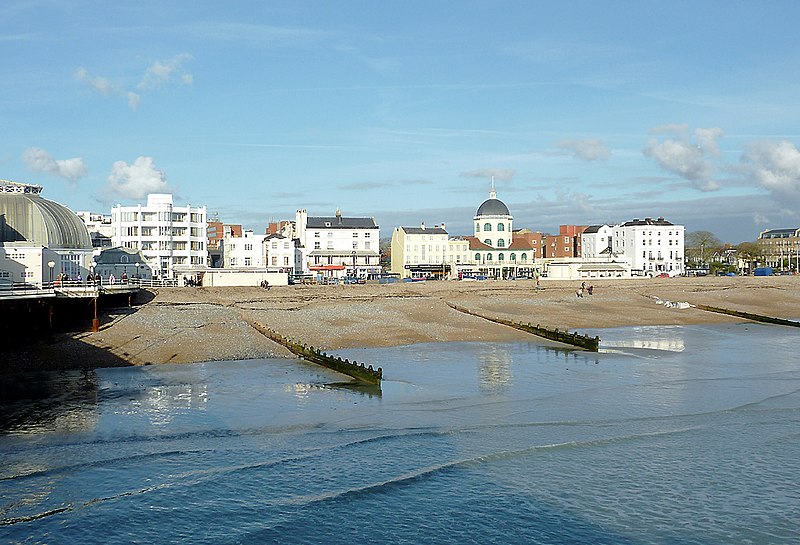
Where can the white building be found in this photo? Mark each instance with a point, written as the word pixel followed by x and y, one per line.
pixel 421 252
pixel 169 236
pixel 282 253
pixel 246 251
pixel 100 228
pixel 651 246
pixel 596 241
pixel 337 246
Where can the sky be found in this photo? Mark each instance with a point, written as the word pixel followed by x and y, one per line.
pixel 583 112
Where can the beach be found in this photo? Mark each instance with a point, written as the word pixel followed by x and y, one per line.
pixel 181 325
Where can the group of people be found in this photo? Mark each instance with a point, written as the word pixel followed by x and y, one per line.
pixel 584 289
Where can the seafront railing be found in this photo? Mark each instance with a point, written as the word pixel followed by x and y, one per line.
pixel 592 344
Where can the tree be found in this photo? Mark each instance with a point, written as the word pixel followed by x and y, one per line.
pixel 699 244
pixel 752 253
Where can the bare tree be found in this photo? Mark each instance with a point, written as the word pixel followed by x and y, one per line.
pixel 699 244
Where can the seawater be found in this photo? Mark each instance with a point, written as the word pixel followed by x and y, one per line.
pixel 670 435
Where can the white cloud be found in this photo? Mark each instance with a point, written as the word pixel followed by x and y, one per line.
pixel 505 174
pixel 775 166
pixel 586 150
pixel 38 160
pixel 158 75
pixel 99 84
pixel 681 156
pixel 136 180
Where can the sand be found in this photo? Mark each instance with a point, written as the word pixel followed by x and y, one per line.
pixel 180 325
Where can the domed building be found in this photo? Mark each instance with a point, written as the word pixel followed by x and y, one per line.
pixel 494 248
pixel 39 239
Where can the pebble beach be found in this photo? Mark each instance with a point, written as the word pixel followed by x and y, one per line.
pixel 182 325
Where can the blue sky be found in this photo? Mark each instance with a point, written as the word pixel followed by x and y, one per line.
pixel 584 112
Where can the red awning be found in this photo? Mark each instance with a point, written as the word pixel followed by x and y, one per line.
pixel 326 267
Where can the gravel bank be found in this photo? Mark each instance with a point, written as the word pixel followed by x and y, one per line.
pixel 202 324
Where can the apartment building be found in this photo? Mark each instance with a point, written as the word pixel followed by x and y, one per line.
pixel 168 236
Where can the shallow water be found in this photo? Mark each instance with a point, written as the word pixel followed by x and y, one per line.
pixel 670 435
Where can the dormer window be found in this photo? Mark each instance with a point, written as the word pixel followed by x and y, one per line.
pixel 327 224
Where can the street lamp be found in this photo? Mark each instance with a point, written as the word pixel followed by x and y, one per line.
pixel 354 263
pixel 51 264
pixel 137 272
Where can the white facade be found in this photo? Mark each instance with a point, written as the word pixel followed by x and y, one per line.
pixel 596 241
pixel 424 251
pixel 169 236
pixel 337 246
pixel 651 246
pixel 246 251
pixel 280 253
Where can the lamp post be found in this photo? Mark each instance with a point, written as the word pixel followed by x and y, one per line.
pixel 51 264
pixel 354 263
pixel 137 272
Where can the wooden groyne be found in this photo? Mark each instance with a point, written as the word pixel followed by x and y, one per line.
pixel 592 344
pixel 362 373
pixel 749 316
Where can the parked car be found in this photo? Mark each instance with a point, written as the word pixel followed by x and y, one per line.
pixel 663 275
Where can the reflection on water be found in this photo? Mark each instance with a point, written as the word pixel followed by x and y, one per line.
pixel 494 368
pixel 49 402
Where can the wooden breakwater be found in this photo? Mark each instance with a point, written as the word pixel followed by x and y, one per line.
pixel 749 316
pixel 585 342
pixel 362 373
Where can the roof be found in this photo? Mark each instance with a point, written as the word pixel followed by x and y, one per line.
pixel 340 222
pixel 424 230
pixel 779 233
pixel 593 229
pixel 27 217
pixel 493 207
pixel 114 255
pixel 646 221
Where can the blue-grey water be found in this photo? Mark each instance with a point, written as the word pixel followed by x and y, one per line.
pixel 671 435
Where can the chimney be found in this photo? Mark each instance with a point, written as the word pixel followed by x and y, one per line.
pixel 443 226
pixel 422 226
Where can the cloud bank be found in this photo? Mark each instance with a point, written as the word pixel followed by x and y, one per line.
pixel 502 174
pixel 775 166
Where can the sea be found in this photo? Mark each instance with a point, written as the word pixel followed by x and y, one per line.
pixel 669 435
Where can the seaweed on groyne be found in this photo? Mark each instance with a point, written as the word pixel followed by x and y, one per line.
pixel 359 371
pixel 591 344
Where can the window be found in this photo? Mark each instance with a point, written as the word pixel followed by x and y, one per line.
pixel 513 257
pixel 477 257
pixel 501 257
pixel 355 244
pixel 366 245
pixel 477 227
pixel 248 261
pixel 286 245
pixel 487 226
pixel 316 234
pixel 501 227
pixel 274 260
pixel 355 234
pixel 524 257
pixel 233 262
pixel 286 260
pixel 488 257
pixel 330 245
pixel 248 247
pixel 501 243
pixel 487 241
pixel 316 245
pixel 274 245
